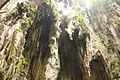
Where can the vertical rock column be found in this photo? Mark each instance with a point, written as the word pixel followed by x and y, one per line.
pixel 53 66
pixel 42 47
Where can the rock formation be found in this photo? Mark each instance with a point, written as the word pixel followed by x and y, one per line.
pixel 60 40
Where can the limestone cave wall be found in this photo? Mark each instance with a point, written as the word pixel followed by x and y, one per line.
pixel 45 43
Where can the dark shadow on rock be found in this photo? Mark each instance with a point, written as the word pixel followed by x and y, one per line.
pixel 99 69
pixel 37 41
pixel 69 56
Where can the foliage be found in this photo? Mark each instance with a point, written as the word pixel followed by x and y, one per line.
pixel 25 61
pixel 81 17
pixel 117 22
pixel 31 8
pixel 22 12
pixel 110 46
pixel 116 69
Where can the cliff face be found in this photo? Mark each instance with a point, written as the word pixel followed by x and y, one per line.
pixel 13 29
pixel 58 42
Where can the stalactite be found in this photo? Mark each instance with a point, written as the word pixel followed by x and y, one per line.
pixel 42 48
pixel 64 42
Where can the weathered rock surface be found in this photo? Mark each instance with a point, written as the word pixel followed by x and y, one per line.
pixel 3 2
pixel 60 44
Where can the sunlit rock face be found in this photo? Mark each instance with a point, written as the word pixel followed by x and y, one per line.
pixel 101 23
pixel 65 44
pixel 68 40
pixel 12 39
pixel 2 3
pixel 55 53
pixel 43 53
pixel 62 46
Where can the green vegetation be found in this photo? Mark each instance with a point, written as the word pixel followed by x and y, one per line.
pixel 116 69
pixel 81 17
pixel 117 22
pixel 22 12
pixel 25 61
